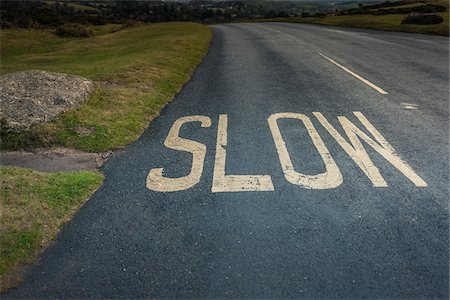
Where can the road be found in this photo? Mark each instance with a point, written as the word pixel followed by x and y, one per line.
pixel 300 161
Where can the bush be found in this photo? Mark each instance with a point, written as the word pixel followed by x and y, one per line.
pixel 428 8
pixel 306 14
pixel 130 24
pixel 73 30
pixel 422 19
pixel 6 24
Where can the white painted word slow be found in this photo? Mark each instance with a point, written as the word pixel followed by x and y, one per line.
pixel 330 178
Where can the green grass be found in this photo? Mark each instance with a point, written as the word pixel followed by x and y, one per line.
pixel 378 22
pixel 409 5
pixel 138 70
pixel 390 22
pixel 105 29
pixel 34 206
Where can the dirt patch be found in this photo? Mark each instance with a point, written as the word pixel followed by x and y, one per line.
pixel 85 131
pixel 54 160
pixel 110 85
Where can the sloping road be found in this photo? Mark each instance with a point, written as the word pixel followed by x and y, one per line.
pixel 315 214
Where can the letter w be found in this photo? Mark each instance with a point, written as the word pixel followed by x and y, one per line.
pixel 357 152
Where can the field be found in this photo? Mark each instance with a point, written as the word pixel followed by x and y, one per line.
pixel 382 22
pixel 137 71
pixel 388 22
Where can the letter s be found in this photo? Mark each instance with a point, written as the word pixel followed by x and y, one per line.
pixel 155 179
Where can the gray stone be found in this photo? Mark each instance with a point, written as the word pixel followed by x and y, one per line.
pixel 34 97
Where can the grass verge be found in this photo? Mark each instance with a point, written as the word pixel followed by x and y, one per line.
pixel 381 22
pixel 137 70
pixel 33 207
pixel 388 22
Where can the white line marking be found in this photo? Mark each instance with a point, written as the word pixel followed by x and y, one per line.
pixel 378 89
pixel 282 35
pixel 409 105
pixel 298 41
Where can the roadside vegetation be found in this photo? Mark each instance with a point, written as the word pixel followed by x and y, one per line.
pixel 429 16
pixel 137 70
pixel 52 13
pixel 33 207
pixel 385 22
pixel 392 16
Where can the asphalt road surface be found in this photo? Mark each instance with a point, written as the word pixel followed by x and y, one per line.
pixel 340 139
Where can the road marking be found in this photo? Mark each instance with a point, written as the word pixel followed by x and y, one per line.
pixel 409 106
pixel 270 29
pixel 298 41
pixel 234 183
pixel 156 180
pixel 285 36
pixel 357 152
pixel 378 89
pixel 331 178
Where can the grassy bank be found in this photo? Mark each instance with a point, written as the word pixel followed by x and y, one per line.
pixel 376 18
pixel 33 208
pixel 382 22
pixel 137 71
